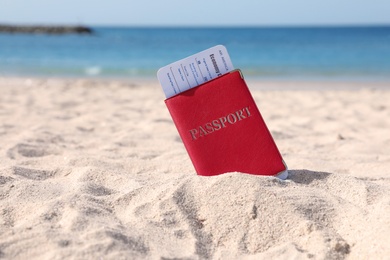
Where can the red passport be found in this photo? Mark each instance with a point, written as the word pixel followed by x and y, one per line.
pixel 223 130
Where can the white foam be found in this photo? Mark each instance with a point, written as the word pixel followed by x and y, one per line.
pixel 94 70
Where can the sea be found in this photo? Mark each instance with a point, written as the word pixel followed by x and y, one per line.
pixel 265 53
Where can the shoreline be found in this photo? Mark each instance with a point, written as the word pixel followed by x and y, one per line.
pixel 253 84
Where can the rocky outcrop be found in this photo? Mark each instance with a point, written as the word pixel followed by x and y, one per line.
pixel 45 29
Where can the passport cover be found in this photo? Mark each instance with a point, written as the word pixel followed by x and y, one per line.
pixel 223 130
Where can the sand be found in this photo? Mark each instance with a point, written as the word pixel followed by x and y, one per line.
pixel 94 169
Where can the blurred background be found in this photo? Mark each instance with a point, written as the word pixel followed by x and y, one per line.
pixel 303 40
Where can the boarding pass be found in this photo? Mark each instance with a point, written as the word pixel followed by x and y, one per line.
pixel 194 70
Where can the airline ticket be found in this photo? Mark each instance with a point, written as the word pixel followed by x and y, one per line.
pixel 194 70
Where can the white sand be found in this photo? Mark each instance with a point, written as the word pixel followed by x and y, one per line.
pixel 96 170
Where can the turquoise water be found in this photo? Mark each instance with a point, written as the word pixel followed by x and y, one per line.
pixel 357 53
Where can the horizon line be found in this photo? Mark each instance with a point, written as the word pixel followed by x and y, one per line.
pixel 202 26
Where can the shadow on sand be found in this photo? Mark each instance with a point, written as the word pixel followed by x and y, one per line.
pixel 306 176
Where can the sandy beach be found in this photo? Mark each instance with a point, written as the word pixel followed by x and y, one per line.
pixel 95 169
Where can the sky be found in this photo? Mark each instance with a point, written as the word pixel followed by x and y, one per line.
pixel 196 13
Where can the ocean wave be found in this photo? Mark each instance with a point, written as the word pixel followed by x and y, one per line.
pixel 93 71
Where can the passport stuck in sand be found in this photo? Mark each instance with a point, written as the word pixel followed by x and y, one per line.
pixel 223 130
